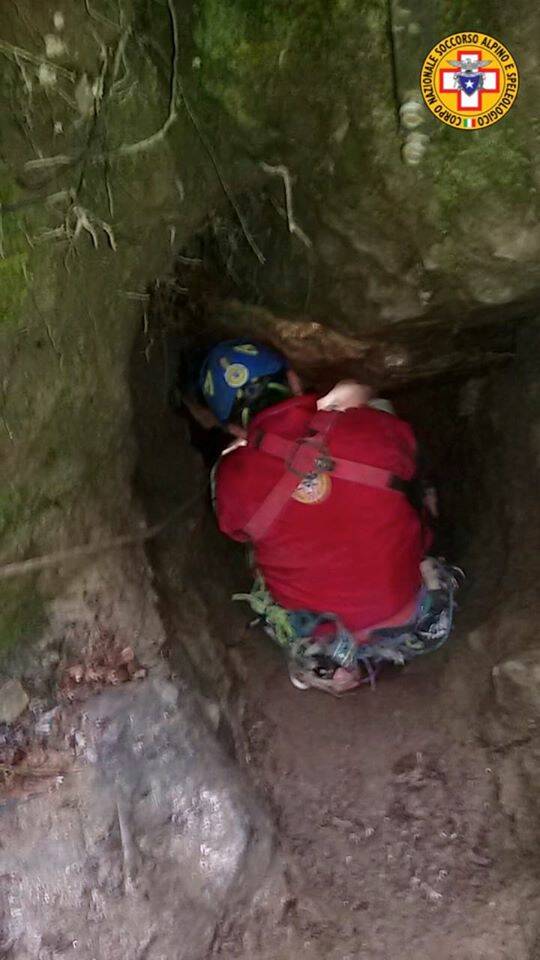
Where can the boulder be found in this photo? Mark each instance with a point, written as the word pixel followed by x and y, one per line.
pixel 13 701
pixel 142 846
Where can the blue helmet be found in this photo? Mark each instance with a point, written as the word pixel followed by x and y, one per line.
pixel 228 369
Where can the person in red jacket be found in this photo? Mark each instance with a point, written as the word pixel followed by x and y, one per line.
pixel 326 492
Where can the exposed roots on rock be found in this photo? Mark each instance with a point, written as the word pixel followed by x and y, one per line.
pixel 129 149
pixel 282 171
pixel 19 53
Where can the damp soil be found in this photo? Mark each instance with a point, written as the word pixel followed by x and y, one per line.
pixel 389 808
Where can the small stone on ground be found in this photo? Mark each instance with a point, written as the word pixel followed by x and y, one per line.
pixel 13 701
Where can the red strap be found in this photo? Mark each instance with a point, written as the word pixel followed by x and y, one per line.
pixel 302 457
pixel 271 507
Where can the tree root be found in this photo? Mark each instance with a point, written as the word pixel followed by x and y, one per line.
pixel 130 149
pixel 11 50
pixel 283 172
pixel 35 564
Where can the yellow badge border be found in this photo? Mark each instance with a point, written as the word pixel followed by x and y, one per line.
pixel 325 482
pixel 429 75
pixel 236 375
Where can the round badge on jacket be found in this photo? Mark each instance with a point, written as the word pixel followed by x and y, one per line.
pixel 314 489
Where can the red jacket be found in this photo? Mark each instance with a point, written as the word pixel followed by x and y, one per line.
pixel 337 546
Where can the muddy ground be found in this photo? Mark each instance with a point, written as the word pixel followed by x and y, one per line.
pixel 389 806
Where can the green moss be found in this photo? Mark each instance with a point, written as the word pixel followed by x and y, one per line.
pixel 14 268
pixel 22 613
pixel 20 511
pixel 239 44
pixel 234 33
pixel 470 15
pixel 466 169
pixel 64 394
pixel 10 505
pixel 13 286
pixel 285 66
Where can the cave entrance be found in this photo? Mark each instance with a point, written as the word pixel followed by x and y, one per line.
pixel 388 804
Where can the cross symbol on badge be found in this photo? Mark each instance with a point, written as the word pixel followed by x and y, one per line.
pixel 469 90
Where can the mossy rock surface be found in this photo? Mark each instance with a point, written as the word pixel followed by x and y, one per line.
pixel 312 86
pixel 318 87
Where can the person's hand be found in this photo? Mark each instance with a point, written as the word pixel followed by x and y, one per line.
pixel 206 419
pixel 202 414
pixel 239 442
pixel 346 394
pixel 294 383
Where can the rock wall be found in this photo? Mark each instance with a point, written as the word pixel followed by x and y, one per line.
pixel 129 828
pixel 386 233
pixel 95 198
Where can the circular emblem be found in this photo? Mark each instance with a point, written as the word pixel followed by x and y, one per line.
pixel 236 375
pixel 469 80
pixel 314 489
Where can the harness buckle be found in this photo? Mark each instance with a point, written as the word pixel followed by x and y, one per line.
pixel 322 461
pixel 324 464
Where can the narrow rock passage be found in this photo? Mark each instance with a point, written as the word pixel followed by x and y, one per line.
pixel 399 811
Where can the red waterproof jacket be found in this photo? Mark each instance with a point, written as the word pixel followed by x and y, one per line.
pixel 337 546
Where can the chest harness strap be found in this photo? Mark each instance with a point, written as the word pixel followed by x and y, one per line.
pixel 307 457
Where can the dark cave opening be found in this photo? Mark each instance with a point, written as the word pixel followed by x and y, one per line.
pixel 454 414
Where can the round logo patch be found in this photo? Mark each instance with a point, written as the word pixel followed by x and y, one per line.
pixel 469 80
pixel 236 375
pixel 314 489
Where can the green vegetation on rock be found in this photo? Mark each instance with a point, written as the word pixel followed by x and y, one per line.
pixel 23 614
pixel 14 254
pixel 13 285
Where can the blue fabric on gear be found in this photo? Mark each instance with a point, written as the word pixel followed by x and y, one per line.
pixel 232 364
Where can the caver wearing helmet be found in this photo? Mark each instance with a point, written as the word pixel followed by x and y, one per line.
pixel 321 488
pixel 239 379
